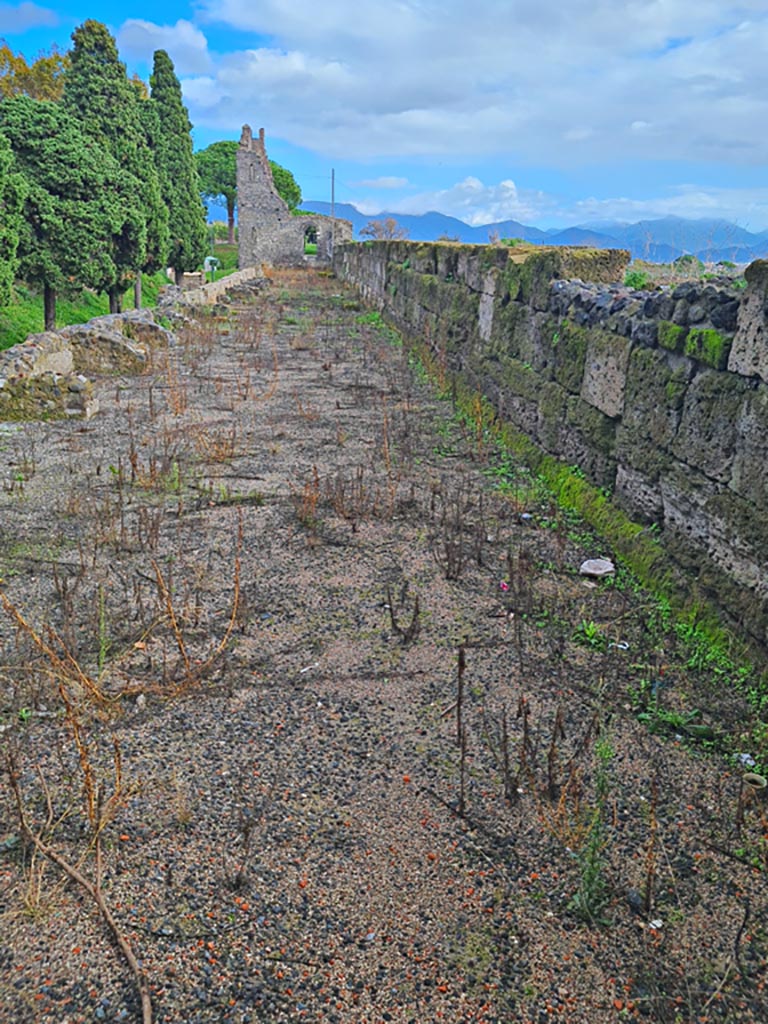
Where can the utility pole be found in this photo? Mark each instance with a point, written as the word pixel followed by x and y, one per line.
pixel 333 207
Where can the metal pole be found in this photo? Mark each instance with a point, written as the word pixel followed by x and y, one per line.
pixel 333 207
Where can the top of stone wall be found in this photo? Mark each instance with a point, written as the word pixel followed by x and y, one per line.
pixel 598 266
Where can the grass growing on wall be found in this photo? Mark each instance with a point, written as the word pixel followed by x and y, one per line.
pixel 698 620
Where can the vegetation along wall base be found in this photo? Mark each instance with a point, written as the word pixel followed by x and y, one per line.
pixel 660 397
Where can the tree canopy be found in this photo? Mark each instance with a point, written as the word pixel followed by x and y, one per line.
pixel 98 92
pixel 13 190
pixel 286 185
pixel 217 167
pixel 42 80
pixel 74 207
pixel 180 183
pixel 386 228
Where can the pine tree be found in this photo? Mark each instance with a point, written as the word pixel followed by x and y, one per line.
pixel 12 193
pixel 75 215
pixel 217 167
pixel 286 185
pixel 98 92
pixel 180 182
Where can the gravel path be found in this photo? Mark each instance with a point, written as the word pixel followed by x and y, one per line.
pixel 366 770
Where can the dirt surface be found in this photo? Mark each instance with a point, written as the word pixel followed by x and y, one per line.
pixel 331 721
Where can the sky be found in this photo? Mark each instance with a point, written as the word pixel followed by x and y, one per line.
pixel 549 112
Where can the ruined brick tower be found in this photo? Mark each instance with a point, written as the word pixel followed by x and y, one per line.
pixel 267 230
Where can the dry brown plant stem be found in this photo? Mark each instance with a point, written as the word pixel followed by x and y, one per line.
pixel 93 889
pixel 65 666
pixel 193 674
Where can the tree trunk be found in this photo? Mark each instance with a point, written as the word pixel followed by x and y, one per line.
pixel 49 307
pixel 179 274
pixel 137 292
pixel 231 222
pixel 115 302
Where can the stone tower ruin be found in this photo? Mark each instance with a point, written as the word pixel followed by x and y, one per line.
pixel 267 230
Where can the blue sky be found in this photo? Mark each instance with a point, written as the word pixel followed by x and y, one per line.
pixel 551 112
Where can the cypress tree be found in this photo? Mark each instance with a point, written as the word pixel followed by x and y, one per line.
pixel 98 92
pixel 75 215
pixel 180 182
pixel 12 192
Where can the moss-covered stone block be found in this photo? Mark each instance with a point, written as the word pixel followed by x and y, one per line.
pixel 553 411
pixel 653 400
pixel 568 344
pixel 708 431
pixel 671 336
pixel 708 346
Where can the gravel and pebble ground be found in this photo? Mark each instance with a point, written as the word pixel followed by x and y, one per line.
pixel 380 756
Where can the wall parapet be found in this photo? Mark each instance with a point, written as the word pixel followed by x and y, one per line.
pixel 661 397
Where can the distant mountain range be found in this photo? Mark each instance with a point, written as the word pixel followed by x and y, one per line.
pixel 658 241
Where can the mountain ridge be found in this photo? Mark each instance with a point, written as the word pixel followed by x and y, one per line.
pixel 657 240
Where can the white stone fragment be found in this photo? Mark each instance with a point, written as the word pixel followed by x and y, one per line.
pixel 598 567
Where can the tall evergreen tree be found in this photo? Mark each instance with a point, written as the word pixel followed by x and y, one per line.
pixel 178 174
pixel 75 213
pixel 13 190
pixel 98 92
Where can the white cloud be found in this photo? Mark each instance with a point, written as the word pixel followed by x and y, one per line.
pixel 383 182
pixel 185 44
pixel 538 79
pixel 475 203
pixel 746 207
pixel 17 19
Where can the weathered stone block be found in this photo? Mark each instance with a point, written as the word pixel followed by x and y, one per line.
pixel 653 400
pixel 708 433
pixel 605 372
pixel 749 353
pixel 749 477
pixel 637 495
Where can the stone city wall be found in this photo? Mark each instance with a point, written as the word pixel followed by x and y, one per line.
pixel 659 396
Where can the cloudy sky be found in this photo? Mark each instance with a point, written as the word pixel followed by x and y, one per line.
pixel 551 112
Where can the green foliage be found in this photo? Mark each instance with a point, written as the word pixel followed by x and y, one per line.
pixel 98 92
pixel 13 190
pixel 589 634
pixel 512 242
pixel 180 182
pixel 688 262
pixel 709 346
pixel 671 335
pixel 75 208
pixel 217 168
pixel 637 279
pixel 373 317
pixel 286 185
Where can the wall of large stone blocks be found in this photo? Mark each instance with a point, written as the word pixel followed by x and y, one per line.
pixel 659 396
